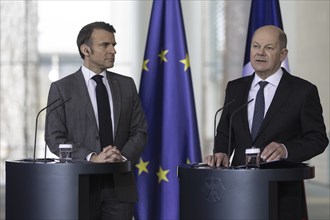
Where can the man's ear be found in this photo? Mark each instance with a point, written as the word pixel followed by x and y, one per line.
pixel 284 54
pixel 85 50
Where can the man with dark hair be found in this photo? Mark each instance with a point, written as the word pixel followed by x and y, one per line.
pixel 104 121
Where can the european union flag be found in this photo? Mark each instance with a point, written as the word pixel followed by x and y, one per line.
pixel 167 97
pixel 263 12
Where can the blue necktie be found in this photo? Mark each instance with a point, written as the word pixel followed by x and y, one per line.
pixel 259 110
pixel 104 112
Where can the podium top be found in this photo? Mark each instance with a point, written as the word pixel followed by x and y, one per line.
pixel 75 166
pixel 274 171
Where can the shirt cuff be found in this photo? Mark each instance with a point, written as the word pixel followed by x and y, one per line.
pixel 88 158
pixel 286 151
pixel 124 158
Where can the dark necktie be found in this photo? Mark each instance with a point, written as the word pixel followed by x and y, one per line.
pixel 104 112
pixel 259 110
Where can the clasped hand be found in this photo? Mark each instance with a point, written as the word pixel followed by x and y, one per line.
pixel 273 151
pixel 107 155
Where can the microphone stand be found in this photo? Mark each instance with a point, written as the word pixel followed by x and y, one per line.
pixel 36 129
pixel 35 132
pixel 215 127
pixel 59 105
pixel 230 124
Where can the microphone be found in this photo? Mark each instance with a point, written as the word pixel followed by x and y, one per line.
pixel 197 165
pixel 36 127
pixel 230 121
pixel 62 103
pixel 215 125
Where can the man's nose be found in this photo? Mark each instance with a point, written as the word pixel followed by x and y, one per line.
pixel 261 51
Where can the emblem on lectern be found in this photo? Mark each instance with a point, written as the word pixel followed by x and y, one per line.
pixel 214 189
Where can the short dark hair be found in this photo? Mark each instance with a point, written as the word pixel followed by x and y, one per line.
pixel 84 36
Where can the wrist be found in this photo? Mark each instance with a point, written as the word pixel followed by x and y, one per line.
pixel 91 157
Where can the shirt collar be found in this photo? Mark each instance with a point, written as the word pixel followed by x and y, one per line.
pixel 272 80
pixel 88 74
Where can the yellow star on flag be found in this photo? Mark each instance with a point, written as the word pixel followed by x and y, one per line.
pixel 142 166
pixel 162 174
pixel 188 161
pixel 145 62
pixel 186 62
pixel 162 55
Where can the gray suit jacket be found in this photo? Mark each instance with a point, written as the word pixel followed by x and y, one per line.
pixel 75 123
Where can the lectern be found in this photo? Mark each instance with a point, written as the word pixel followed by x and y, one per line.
pixel 234 193
pixel 52 190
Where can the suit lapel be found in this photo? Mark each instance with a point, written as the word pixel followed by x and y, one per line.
pixel 84 96
pixel 282 93
pixel 241 117
pixel 247 87
pixel 116 99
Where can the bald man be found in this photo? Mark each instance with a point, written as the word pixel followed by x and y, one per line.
pixel 292 126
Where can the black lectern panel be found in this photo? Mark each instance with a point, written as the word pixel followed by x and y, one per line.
pixel 51 190
pixel 222 193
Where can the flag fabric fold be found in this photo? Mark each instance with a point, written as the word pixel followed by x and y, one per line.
pixel 167 97
pixel 263 12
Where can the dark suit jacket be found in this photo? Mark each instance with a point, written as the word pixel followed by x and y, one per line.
pixel 294 119
pixel 75 123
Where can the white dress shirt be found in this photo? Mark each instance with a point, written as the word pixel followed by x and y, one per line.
pixel 91 85
pixel 269 92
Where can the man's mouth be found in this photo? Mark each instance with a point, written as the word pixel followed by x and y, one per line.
pixel 263 61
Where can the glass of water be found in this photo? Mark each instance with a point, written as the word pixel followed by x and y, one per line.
pixel 252 156
pixel 65 153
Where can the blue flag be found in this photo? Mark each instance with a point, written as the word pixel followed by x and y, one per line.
pixel 263 12
pixel 167 97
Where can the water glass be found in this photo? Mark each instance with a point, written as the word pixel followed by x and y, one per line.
pixel 65 153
